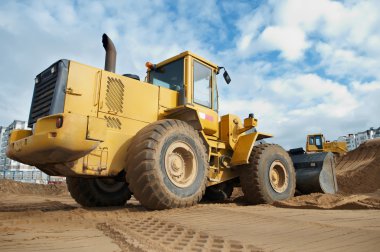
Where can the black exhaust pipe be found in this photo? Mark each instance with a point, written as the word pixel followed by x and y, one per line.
pixel 110 63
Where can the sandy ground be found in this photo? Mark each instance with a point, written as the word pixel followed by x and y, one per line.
pixel 46 218
pixel 38 221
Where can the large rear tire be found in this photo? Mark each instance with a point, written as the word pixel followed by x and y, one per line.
pixel 269 176
pixel 98 192
pixel 167 165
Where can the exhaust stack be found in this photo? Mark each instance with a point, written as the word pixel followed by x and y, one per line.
pixel 110 62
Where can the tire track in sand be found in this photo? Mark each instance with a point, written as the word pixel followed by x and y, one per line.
pixel 41 206
pixel 153 234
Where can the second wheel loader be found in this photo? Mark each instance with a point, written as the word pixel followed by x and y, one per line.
pixel 315 167
pixel 161 139
pixel 317 143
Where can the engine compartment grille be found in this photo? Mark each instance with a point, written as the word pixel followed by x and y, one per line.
pixel 42 98
pixel 48 94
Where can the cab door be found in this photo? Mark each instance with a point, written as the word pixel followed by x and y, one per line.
pixel 204 98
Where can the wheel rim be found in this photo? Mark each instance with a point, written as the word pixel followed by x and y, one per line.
pixel 109 185
pixel 181 164
pixel 278 177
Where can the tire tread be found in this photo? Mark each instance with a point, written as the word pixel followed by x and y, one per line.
pixel 84 193
pixel 142 174
pixel 252 186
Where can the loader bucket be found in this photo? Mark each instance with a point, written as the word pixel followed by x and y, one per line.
pixel 315 172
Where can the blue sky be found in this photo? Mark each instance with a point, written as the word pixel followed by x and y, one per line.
pixel 302 66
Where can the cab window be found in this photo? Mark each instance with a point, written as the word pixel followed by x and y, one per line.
pixel 318 142
pixel 311 140
pixel 202 84
pixel 168 76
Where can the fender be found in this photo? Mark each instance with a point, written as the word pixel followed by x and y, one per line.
pixel 244 146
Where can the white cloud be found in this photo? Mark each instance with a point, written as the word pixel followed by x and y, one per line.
pixel 290 41
pixel 366 87
pixel 250 25
pixel 293 26
pixel 294 105
pixel 303 14
pixel 347 63
pixel 245 41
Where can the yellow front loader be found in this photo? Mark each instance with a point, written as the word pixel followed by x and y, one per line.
pixel 317 143
pixel 161 139
pixel 315 168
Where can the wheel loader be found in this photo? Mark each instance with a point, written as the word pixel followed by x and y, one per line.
pixel 315 167
pixel 317 143
pixel 161 139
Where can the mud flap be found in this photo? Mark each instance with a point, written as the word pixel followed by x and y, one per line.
pixel 315 173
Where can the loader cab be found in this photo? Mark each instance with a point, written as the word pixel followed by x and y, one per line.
pixel 194 78
pixel 315 143
pixel 189 74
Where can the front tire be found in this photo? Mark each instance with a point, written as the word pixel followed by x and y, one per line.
pixel 98 192
pixel 269 176
pixel 167 165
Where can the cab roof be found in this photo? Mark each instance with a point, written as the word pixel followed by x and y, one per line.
pixel 187 53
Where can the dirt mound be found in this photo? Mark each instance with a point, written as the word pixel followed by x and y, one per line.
pixel 359 170
pixel 333 201
pixel 14 187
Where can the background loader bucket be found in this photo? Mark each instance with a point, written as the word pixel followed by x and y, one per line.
pixel 315 172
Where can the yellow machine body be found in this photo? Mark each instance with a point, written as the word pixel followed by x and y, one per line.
pixel 317 143
pixel 103 111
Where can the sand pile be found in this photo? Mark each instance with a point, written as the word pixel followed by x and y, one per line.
pixel 14 187
pixel 358 177
pixel 333 201
pixel 359 170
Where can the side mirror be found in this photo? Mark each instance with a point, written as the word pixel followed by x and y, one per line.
pixel 227 78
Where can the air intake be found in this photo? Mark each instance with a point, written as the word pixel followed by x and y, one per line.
pixel 49 91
